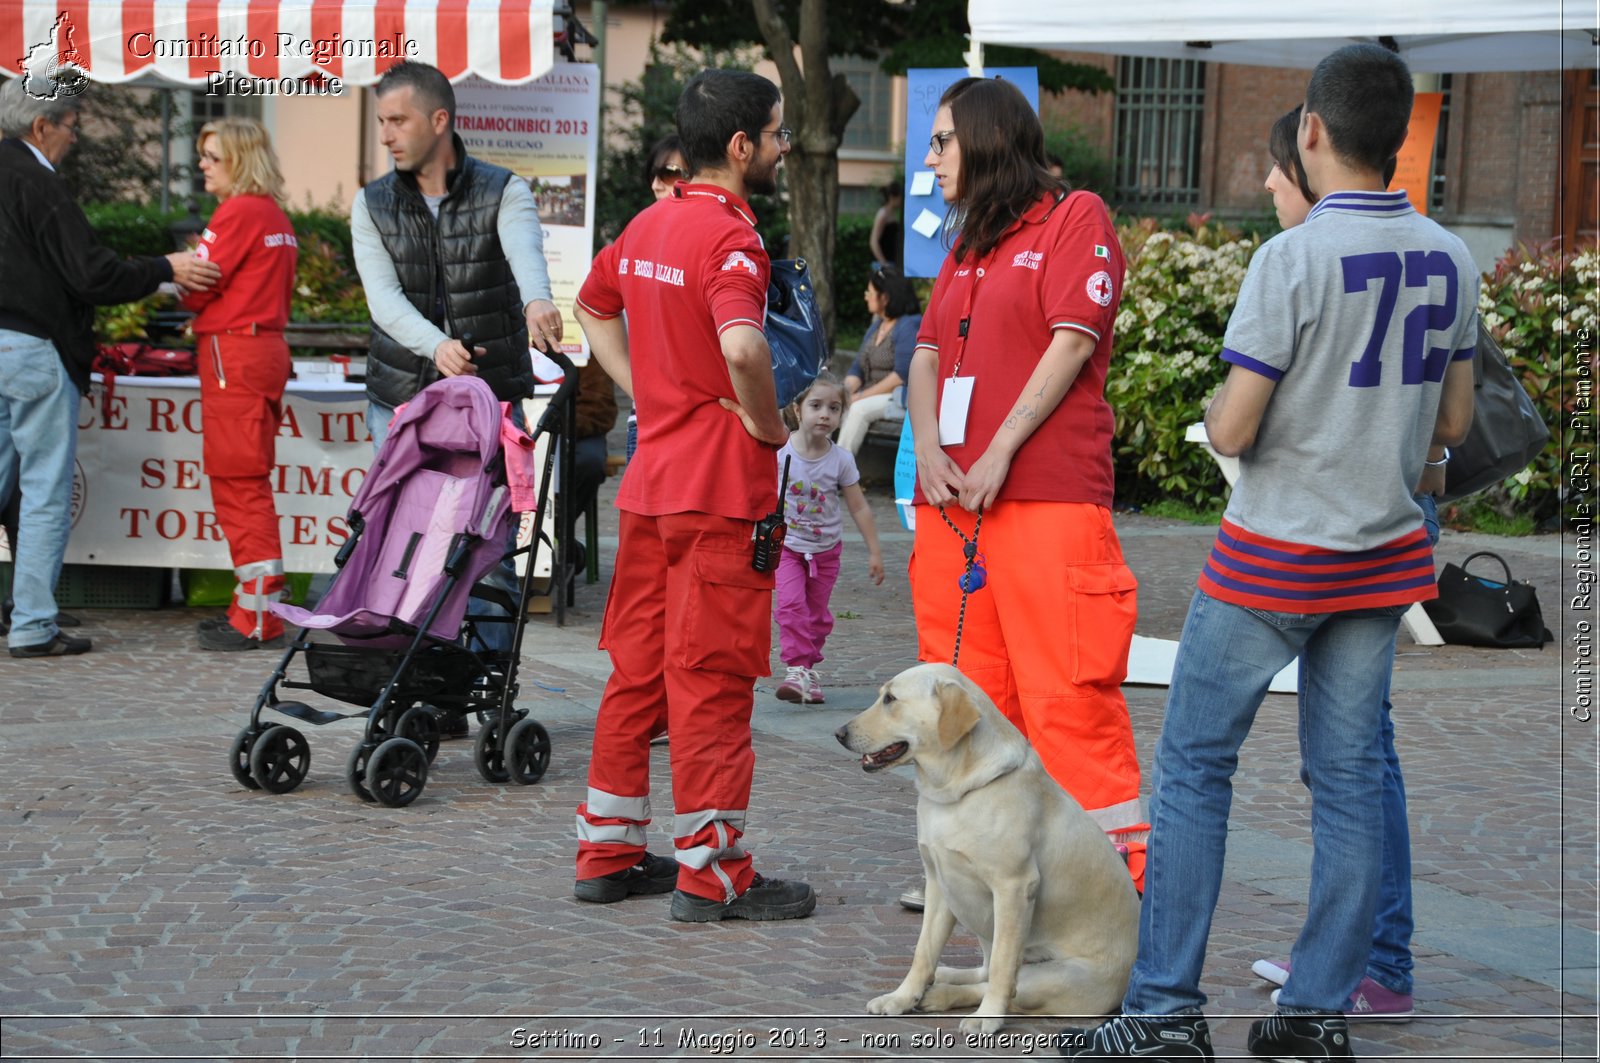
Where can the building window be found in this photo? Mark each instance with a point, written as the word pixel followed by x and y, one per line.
pixel 1160 108
pixel 858 199
pixel 1441 145
pixel 871 128
pixel 205 108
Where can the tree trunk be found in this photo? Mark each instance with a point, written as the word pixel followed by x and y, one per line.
pixel 813 214
pixel 816 105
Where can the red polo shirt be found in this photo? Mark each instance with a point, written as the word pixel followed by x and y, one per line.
pixel 1059 267
pixel 685 269
pixel 252 241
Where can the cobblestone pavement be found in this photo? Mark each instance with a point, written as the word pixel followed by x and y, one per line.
pixel 151 907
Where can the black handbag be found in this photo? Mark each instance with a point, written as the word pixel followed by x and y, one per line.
pixel 1473 611
pixel 1507 432
pixel 794 329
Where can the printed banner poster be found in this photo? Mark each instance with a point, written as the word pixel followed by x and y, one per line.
pixel 924 203
pixel 1413 172
pixel 140 495
pixel 546 131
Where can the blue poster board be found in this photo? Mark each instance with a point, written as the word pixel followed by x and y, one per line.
pixel 905 477
pixel 924 254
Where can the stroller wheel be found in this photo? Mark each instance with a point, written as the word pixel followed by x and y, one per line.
pixel 489 755
pixel 419 724
pixel 355 770
pixel 527 752
pixel 239 755
pixel 397 772
pixel 280 759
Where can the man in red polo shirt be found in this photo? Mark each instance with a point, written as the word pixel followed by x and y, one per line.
pixel 689 622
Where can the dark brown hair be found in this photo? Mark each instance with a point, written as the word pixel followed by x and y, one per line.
pixel 1284 145
pixel 888 281
pixel 1003 168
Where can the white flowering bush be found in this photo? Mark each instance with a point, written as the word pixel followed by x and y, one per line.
pixel 1540 304
pixel 1180 289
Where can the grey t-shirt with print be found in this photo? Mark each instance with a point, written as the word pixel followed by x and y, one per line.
pixel 1356 314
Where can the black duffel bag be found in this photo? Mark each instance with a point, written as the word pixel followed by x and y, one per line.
pixel 1507 432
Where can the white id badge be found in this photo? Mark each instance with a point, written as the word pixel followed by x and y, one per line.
pixel 953 405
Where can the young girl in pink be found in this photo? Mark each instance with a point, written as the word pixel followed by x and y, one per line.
pixel 820 474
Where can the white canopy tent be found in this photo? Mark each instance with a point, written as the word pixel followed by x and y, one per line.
pixel 1434 36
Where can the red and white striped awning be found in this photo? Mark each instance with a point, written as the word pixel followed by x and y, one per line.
pixel 506 41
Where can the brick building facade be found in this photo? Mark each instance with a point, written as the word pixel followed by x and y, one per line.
pixel 1498 176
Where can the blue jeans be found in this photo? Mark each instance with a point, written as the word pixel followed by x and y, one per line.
pixel 38 451
pixel 493 637
pixel 1226 658
pixel 1390 963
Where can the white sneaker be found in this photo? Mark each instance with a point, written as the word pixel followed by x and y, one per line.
pixel 793 687
pixel 813 688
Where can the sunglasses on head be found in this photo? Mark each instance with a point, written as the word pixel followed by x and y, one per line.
pixel 671 173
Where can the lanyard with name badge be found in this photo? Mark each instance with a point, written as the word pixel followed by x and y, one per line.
pixel 955 398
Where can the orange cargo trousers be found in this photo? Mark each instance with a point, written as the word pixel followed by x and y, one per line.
pixel 1046 638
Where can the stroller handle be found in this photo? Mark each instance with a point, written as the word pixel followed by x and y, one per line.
pixel 558 401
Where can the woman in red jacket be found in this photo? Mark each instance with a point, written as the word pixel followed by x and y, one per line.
pixel 244 364
pixel 1006 394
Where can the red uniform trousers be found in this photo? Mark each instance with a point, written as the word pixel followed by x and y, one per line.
pixel 1046 638
pixel 689 628
pixel 241 404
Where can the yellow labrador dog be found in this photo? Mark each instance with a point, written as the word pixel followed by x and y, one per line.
pixel 1006 852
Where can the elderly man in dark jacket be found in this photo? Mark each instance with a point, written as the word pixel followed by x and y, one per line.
pixel 52 274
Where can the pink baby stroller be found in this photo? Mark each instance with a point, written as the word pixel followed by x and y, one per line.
pixel 431 519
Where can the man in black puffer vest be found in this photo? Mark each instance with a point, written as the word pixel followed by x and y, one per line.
pixel 447 247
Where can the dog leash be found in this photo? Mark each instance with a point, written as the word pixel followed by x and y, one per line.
pixel 972 579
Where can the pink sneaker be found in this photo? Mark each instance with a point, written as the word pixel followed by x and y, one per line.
pixel 813 688
pixel 793 687
pixel 1371 1002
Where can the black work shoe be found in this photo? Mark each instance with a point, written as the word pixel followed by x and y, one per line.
pixel 452 725
pixel 67 620
pixel 226 637
pixel 766 899
pixel 60 646
pixel 652 874
pixel 1134 1037
pixel 1301 1035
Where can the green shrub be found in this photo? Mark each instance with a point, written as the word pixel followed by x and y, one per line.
pixel 1180 290
pixel 852 264
pixel 1534 302
pixel 133 228
pixel 1083 164
pixel 327 287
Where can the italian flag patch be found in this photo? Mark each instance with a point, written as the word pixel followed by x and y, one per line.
pixel 1102 251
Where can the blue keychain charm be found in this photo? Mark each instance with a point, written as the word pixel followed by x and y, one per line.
pixel 975 577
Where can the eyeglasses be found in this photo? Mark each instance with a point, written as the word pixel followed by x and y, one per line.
pixel 784 134
pixel 670 173
pixel 70 127
pixel 939 139
pixel 210 156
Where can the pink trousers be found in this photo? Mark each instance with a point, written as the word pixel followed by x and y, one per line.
pixel 805 583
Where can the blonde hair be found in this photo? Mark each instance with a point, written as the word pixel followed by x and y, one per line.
pixel 791 412
pixel 246 150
